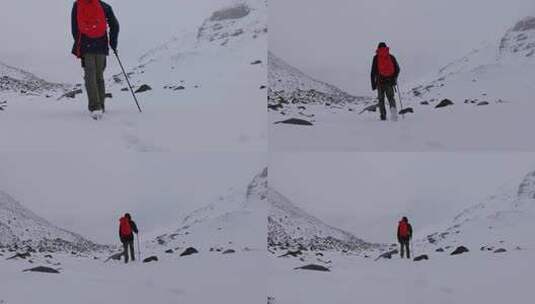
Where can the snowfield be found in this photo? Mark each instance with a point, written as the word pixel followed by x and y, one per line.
pixel 228 267
pixel 496 232
pixel 492 104
pixel 196 102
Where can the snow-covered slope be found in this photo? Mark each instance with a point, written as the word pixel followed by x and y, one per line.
pixel 235 221
pixel 291 91
pixel 290 227
pixel 503 220
pixel 494 72
pixel 22 229
pixel 25 83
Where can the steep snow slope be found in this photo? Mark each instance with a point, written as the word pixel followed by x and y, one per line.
pixel 26 83
pixel 22 229
pixel 291 227
pixel 206 94
pixel 235 221
pixel 291 91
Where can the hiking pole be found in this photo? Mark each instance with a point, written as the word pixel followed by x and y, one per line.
pixel 400 102
pixel 127 81
pixel 138 248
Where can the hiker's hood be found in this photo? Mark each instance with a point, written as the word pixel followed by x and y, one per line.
pixel 383 51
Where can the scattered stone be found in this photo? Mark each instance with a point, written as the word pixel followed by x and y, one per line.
pixel 372 108
pixel 179 88
pixel 143 88
pixel 459 250
pixel 42 269
pixel 49 256
pixel 151 259
pixel 124 89
pixel 295 121
pixel 229 251
pixel 406 110
pixel 421 258
pixel 439 250
pixel 314 267
pixel 444 103
pixel 256 62
pixel 387 255
pixel 115 257
pixel 72 94
pixel 482 103
pixel 500 250
pixel 20 256
pixel 189 251
pixel 262 87
pixel 109 95
pixel 424 103
pixel 294 254
pixel 169 251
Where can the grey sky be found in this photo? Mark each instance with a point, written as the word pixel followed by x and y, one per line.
pixel 87 194
pixel 366 193
pixel 334 40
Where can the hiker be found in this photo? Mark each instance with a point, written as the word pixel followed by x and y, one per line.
pixel 404 236
pixel 384 75
pixel 127 228
pixel 90 20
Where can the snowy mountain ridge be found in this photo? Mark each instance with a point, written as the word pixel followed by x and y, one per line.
pixel 25 83
pixel 21 228
pixel 233 220
pixel 290 227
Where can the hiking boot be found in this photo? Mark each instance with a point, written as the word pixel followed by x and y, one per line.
pixel 393 114
pixel 96 115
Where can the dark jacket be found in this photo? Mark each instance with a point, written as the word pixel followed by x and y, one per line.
pixel 99 45
pixel 129 238
pixel 410 233
pixel 378 80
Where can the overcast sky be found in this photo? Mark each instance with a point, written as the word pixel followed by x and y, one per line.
pixel 335 40
pixel 367 193
pixel 87 193
pixel 36 34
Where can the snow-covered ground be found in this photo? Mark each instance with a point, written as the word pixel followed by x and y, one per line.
pixel 491 89
pixel 496 231
pixel 212 110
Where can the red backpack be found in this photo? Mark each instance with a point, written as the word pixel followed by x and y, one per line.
pixel 385 64
pixel 125 230
pixel 403 229
pixel 91 18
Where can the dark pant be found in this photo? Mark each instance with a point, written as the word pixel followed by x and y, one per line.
pixel 404 244
pixel 94 66
pixel 126 245
pixel 388 91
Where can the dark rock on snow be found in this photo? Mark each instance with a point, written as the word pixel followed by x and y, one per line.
pixel 372 108
pixel 143 88
pixel 444 103
pixel 295 121
pixel 20 256
pixel 115 257
pixel 406 110
pixel 313 267
pixel 109 95
pixel 294 254
pixel 483 103
pixel 256 62
pixel 421 258
pixel 500 250
pixel 169 251
pixel 229 251
pixel 42 269
pixel 151 259
pixel 189 251
pixel 72 94
pixel 387 255
pixel 439 250
pixel 460 250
